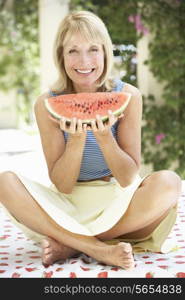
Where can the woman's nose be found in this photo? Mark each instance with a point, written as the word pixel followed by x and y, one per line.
pixel 84 59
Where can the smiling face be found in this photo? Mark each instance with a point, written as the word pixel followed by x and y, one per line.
pixel 84 62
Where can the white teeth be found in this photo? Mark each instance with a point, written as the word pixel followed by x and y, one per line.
pixel 84 71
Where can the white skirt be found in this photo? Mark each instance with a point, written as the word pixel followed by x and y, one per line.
pixel 92 208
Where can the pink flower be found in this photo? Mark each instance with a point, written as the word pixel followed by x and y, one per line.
pixel 138 23
pixel 159 137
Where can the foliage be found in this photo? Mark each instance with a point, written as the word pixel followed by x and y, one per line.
pixel 163 134
pixel 19 60
pixel 166 21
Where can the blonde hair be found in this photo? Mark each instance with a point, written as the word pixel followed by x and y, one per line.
pixel 92 28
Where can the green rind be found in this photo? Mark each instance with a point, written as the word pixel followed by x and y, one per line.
pixel 55 115
pixel 88 121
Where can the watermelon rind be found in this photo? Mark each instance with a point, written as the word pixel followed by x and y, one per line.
pixel 88 121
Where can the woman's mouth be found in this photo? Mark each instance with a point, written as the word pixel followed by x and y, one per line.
pixel 85 71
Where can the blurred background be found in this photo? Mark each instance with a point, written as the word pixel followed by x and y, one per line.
pixel 149 52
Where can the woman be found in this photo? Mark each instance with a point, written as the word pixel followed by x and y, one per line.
pixel 97 204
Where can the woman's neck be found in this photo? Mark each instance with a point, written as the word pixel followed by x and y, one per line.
pixel 87 90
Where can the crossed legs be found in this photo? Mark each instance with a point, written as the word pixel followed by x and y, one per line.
pixel 150 204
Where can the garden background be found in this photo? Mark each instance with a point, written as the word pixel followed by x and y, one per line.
pixel 149 47
pixel 149 52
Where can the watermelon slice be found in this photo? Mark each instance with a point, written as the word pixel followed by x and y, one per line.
pixel 86 106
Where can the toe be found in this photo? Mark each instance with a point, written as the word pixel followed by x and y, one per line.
pixel 47 259
pixel 128 248
pixel 129 267
pixel 129 264
pixel 45 243
pixel 128 260
pixel 47 251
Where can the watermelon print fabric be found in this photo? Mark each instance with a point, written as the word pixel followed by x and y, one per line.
pixel 21 257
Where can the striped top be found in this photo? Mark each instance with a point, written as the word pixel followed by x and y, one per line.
pixel 93 164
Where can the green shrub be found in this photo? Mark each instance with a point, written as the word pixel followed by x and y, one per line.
pixel 19 59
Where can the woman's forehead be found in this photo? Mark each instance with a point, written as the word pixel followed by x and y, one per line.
pixel 76 39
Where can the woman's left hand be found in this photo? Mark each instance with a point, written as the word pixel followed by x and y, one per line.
pixel 101 128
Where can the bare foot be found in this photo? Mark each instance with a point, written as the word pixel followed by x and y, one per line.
pixel 119 255
pixel 54 251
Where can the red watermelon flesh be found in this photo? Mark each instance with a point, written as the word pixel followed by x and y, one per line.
pixel 86 106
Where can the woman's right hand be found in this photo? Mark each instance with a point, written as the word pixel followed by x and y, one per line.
pixel 75 129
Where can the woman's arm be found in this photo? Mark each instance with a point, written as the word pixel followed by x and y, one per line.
pixel 63 160
pixel 124 155
pixel 65 171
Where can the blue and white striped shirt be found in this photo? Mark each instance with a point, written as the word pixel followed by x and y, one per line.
pixel 93 164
